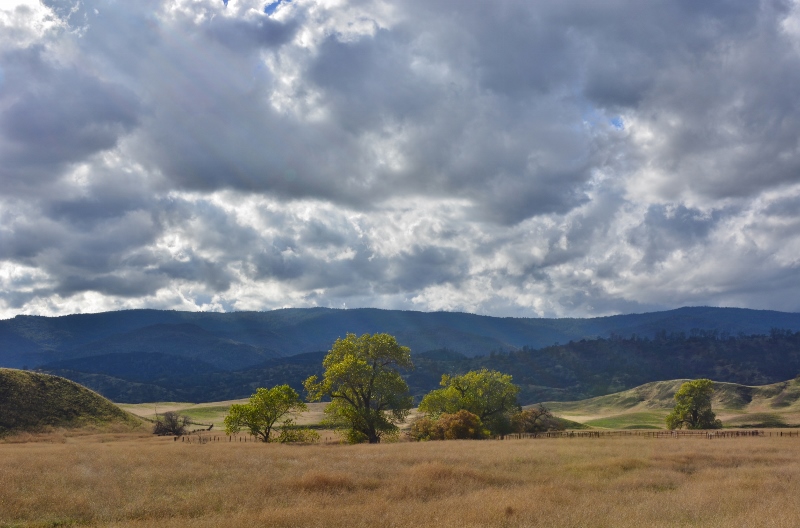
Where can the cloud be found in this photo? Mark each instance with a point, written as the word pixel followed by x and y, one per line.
pixel 562 159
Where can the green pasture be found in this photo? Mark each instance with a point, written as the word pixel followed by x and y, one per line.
pixel 634 420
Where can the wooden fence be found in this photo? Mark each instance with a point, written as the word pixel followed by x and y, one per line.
pixel 653 434
pixel 206 438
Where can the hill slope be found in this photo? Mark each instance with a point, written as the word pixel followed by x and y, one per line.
pixel 773 405
pixel 31 401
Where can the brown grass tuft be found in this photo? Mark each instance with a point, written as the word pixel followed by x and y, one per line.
pixel 326 482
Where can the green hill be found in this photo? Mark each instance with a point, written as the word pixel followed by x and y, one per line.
pixel 31 401
pixel 646 406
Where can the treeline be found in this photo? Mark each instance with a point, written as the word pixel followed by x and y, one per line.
pixel 569 371
pixel 587 368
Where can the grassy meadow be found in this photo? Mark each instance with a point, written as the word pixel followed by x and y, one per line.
pixel 130 478
pixel 142 481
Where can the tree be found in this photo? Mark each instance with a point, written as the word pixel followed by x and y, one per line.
pixel 170 423
pixel 693 407
pixel 265 408
pixel 486 393
pixel 533 420
pixel 368 395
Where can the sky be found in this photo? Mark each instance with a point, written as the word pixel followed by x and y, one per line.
pixel 557 158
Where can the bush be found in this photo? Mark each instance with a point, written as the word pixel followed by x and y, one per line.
pixel 425 429
pixel 170 423
pixel 291 433
pixel 536 420
pixel 462 425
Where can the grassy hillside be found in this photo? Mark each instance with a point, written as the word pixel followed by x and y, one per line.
pixel 646 406
pixel 31 401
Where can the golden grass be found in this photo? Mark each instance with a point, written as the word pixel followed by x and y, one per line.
pixel 114 480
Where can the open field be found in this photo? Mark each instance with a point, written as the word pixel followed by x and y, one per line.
pixel 212 412
pixel 215 412
pixel 106 480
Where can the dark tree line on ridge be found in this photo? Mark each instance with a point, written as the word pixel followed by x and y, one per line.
pixel 569 371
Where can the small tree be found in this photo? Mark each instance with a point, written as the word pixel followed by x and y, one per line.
pixel 693 407
pixel 486 393
pixel 533 420
pixel 170 423
pixel 265 408
pixel 368 395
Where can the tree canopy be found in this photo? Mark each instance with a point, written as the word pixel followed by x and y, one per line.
pixel 368 395
pixel 693 407
pixel 265 408
pixel 488 394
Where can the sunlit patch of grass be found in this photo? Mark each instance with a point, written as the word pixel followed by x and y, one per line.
pixel 761 420
pixel 636 420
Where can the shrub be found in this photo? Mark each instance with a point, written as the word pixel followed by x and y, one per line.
pixel 425 429
pixel 291 433
pixel 170 423
pixel 536 420
pixel 462 425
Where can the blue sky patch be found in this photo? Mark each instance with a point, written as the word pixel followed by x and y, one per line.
pixel 270 8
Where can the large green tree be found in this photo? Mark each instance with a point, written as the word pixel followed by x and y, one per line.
pixel 489 394
pixel 693 407
pixel 264 409
pixel 368 395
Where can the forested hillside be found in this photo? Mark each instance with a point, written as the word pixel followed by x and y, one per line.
pixel 571 371
pixel 241 340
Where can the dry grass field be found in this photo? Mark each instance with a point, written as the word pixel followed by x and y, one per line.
pixel 138 480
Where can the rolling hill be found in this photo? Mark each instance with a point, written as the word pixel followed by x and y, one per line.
pixel 31 401
pixel 646 406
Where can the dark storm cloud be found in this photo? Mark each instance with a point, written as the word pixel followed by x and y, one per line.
pixel 253 33
pixel 664 231
pixel 551 158
pixel 55 115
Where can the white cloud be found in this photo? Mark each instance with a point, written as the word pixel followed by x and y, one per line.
pixel 570 158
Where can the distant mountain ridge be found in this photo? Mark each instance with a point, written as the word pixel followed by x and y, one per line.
pixel 147 355
pixel 232 341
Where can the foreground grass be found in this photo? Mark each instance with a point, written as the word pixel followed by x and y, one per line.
pixel 100 480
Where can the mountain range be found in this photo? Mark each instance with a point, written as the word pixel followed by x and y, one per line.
pixel 149 355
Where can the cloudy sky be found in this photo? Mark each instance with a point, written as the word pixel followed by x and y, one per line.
pixel 512 158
